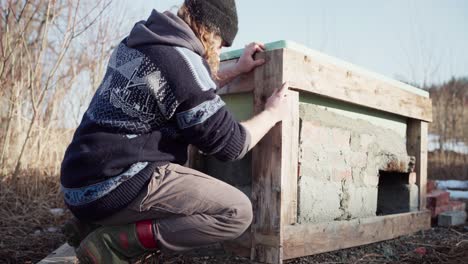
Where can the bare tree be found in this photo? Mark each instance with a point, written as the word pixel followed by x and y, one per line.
pixel 450 124
pixel 45 48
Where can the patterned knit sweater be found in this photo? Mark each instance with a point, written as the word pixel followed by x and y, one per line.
pixel 156 98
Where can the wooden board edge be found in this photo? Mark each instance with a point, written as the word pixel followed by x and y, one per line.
pixel 309 239
pixel 64 254
pixel 346 86
pixel 290 161
pixel 267 167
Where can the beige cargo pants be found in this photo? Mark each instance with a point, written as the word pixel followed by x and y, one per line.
pixel 190 209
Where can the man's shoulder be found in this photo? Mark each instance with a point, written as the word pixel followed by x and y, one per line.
pixel 180 64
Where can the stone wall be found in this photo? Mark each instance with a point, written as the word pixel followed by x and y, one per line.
pixel 340 157
pixel 342 149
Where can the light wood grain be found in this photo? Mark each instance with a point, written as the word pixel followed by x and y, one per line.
pixel 290 161
pixel 267 167
pixel 325 78
pixel 307 74
pixel 309 239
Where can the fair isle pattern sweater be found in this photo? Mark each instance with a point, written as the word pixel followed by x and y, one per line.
pixel 155 99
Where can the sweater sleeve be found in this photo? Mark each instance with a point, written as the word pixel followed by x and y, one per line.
pixel 201 115
pixel 211 127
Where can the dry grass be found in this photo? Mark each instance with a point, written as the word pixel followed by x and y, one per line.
pixel 25 218
pixel 43 154
pixel 447 166
pixel 50 48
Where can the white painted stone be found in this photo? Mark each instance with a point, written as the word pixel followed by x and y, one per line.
pixel 321 200
pixel 362 201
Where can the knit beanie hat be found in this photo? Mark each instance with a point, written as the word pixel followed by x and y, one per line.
pixel 219 15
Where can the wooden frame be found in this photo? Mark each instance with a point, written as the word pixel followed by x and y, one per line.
pixel 275 234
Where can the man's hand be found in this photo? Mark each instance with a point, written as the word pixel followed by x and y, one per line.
pixel 246 62
pixel 277 104
pixel 276 109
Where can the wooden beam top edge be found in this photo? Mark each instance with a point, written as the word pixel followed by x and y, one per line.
pixel 426 118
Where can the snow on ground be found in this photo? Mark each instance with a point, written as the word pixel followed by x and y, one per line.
pixel 458 195
pixel 458 189
pixel 450 145
pixel 452 184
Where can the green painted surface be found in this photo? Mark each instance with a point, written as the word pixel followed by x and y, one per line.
pixel 233 54
pixel 286 44
pixel 378 118
pixel 240 105
pixel 237 173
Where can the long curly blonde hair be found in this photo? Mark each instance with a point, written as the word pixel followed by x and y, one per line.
pixel 210 39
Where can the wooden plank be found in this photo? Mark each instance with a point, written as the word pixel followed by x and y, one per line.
pixel 243 83
pixel 287 44
pixel 309 239
pixel 267 167
pixel 416 144
pixel 290 161
pixel 64 254
pixel 312 75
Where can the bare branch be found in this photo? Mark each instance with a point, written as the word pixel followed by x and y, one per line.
pixel 94 20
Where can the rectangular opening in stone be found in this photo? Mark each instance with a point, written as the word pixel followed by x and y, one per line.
pixel 397 193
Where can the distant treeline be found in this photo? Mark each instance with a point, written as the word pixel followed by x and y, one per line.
pixel 449 130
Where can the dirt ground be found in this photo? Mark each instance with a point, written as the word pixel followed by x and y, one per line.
pixel 437 245
pixel 29 231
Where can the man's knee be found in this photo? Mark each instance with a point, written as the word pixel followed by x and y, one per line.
pixel 242 215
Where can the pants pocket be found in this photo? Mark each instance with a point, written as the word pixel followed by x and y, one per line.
pixel 140 203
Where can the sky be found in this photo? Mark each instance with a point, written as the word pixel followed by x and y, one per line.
pixel 418 41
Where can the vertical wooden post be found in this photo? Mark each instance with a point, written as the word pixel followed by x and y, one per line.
pixel 274 166
pixel 290 162
pixel 416 142
pixel 266 168
pixel 290 138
